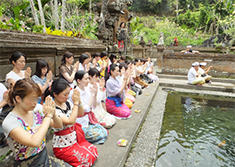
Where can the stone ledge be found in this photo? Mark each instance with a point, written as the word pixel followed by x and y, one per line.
pixel 146 145
pixel 110 155
pixel 184 77
pixel 215 86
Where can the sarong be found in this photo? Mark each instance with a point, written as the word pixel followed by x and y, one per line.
pixel 122 112
pixel 139 81
pixel 105 119
pixel 82 153
pixel 95 134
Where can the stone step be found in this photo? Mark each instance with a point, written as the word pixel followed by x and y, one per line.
pixel 214 86
pixel 183 77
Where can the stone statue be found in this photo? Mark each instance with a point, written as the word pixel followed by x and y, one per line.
pixel 150 43
pixel 161 39
pixel 142 42
pixel 112 13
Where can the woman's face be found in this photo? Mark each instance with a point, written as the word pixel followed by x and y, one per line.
pixel 44 71
pixel 94 79
pixel 123 70
pixel 20 63
pixel 104 58
pixel 85 80
pixel 86 61
pixel 94 62
pixel 29 102
pixel 69 60
pixel 63 96
pixel 115 73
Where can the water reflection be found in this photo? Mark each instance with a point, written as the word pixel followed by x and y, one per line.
pixel 192 130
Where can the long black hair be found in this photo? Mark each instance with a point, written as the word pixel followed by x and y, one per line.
pixel 108 73
pixel 96 54
pixel 39 65
pixel 58 86
pixel 103 54
pixel 15 56
pixel 121 65
pixel 83 57
pixel 67 55
pixel 94 71
pixel 112 57
pixel 79 74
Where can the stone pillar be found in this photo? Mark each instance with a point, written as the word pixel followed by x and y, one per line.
pixel 58 57
pixel 159 56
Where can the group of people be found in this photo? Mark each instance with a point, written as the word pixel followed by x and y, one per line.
pixel 198 74
pixel 81 105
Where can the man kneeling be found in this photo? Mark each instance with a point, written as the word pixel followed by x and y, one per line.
pixel 193 77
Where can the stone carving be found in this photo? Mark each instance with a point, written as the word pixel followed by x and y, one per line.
pixel 112 13
pixel 142 42
pixel 150 43
pixel 161 39
pixel 223 39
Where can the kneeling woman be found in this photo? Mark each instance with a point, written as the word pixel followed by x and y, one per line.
pixel 26 126
pixel 116 93
pixel 69 143
pixel 94 132
pixel 104 118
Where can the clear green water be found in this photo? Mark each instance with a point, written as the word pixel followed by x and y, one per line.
pixel 192 128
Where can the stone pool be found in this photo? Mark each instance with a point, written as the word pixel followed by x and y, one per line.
pixel 197 131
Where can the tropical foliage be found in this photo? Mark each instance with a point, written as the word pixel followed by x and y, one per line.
pixel 150 28
pixel 60 17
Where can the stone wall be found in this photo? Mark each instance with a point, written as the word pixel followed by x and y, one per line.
pixel 42 46
pixel 179 63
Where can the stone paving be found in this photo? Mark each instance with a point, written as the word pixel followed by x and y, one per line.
pixel 144 152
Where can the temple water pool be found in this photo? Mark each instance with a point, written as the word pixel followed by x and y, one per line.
pixel 197 131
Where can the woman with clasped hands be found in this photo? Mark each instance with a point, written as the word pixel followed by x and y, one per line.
pixel 27 124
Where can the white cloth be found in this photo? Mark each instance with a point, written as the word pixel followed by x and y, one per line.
pixel 148 67
pixel 195 64
pixel 81 67
pixel 113 88
pixel 2 90
pixel 139 68
pixel 200 71
pixel 85 96
pixel 65 140
pixel 104 118
pixel 203 63
pixel 13 75
pixel 192 74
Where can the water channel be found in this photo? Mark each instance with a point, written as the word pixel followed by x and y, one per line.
pixel 197 131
